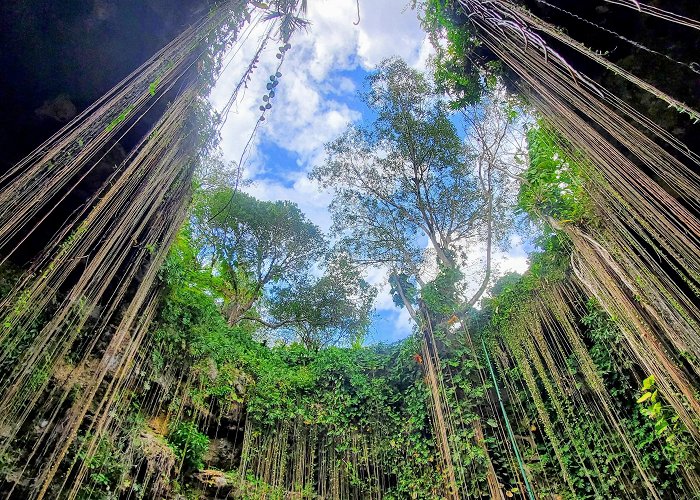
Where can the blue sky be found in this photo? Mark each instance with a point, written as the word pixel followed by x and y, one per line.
pixel 315 101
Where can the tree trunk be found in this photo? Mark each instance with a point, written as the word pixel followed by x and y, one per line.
pixel 235 310
pixel 407 304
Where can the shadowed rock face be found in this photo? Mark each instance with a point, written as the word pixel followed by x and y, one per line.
pixel 58 56
pixel 611 25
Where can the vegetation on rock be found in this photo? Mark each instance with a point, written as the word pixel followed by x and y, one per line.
pixel 179 338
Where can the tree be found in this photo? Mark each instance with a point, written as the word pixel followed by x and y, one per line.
pixel 269 255
pixel 254 243
pixel 331 310
pixel 410 174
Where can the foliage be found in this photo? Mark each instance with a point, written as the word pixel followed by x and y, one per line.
pixel 402 284
pixel 441 295
pixel 329 310
pixel 464 70
pixel 663 445
pixel 338 391
pixel 663 442
pixel 190 311
pixel 8 277
pixel 550 264
pixel 215 45
pixel 266 258
pixel 25 333
pixel 405 178
pixel 554 184
pixel 607 349
pixel 405 175
pixel 668 430
pixel 188 443
pixel 105 466
pixel 380 391
pixel 254 242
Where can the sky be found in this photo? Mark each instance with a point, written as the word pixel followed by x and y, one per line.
pixel 315 101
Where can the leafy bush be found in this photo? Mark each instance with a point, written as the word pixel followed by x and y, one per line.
pixel 555 182
pixel 440 295
pixel 189 444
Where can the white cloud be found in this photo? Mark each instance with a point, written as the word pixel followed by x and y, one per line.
pixel 310 106
pixel 390 325
pixel 398 326
pixel 376 42
pixel 302 191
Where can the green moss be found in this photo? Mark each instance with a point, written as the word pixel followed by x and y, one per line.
pixel 119 119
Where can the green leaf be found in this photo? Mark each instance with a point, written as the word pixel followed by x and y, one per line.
pixel 122 116
pixel 660 426
pixel 644 397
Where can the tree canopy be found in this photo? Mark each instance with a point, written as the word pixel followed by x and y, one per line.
pixel 276 269
pixel 332 309
pixel 409 175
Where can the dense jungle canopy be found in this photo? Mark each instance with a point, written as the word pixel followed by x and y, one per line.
pixel 166 333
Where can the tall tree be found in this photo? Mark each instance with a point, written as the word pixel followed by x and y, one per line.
pixel 254 243
pixel 409 174
pixel 276 269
